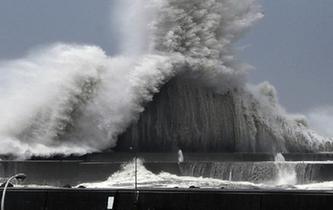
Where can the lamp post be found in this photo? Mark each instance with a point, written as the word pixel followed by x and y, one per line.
pixel 136 172
pixel 19 177
pixel 135 169
pixel 136 201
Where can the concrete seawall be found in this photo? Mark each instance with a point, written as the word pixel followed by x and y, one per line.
pixel 99 167
pixel 73 173
pixel 168 199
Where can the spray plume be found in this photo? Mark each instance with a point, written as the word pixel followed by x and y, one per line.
pixel 74 99
pixel 69 99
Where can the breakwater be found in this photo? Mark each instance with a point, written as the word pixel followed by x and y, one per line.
pixel 256 168
pixel 162 199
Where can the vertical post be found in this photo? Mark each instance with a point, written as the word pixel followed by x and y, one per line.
pixel 135 167
pixel 136 201
pixel 136 171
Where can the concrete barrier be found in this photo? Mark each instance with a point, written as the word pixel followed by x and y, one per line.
pixel 120 157
pixel 166 199
pixel 60 173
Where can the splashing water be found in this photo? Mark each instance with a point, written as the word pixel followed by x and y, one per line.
pixel 180 156
pixel 124 178
pixel 70 99
pixel 74 99
pixel 286 171
pixel 146 179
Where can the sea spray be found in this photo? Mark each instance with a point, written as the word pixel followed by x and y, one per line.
pixel 180 156
pixel 70 99
pixel 203 33
pixel 124 178
pixel 286 171
pixel 74 99
pixel 146 179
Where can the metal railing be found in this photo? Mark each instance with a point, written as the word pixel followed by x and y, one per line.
pixel 18 177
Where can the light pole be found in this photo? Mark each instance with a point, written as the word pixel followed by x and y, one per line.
pixel 135 169
pixel 19 177
pixel 136 172
pixel 136 202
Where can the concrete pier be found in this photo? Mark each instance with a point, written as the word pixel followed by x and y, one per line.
pixel 166 199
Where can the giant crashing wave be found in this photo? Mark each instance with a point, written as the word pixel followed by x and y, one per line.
pixel 184 89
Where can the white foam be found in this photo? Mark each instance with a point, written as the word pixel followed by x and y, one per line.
pixel 286 172
pixel 74 99
pixel 316 186
pixel 70 99
pixel 125 178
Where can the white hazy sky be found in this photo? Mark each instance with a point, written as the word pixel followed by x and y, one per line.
pixel 292 47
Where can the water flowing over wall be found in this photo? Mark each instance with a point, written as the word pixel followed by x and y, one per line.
pixel 257 172
pixel 189 115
